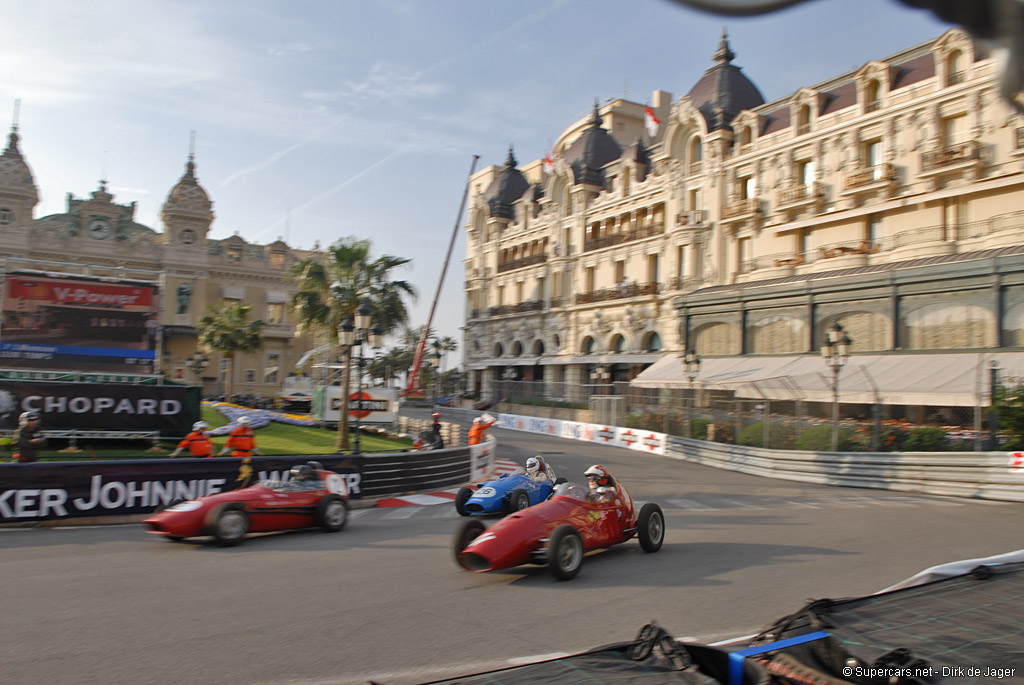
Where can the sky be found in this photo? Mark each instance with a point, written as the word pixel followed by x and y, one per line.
pixel 321 119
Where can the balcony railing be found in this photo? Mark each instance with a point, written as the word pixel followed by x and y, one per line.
pixel 519 308
pixel 694 217
pixel 624 237
pixel 512 264
pixel 695 168
pixel 869 176
pixel 618 292
pixel 684 283
pixel 739 208
pixel 949 156
pixel 800 194
pixel 955 77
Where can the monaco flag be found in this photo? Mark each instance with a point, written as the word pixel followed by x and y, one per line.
pixel 548 163
pixel 651 122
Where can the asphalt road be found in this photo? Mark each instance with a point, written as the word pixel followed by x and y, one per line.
pixel 384 600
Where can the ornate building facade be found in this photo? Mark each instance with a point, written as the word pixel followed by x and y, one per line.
pixel 887 199
pixel 97 237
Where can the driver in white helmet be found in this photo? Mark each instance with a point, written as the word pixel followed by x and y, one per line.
pixel 602 485
pixel 538 469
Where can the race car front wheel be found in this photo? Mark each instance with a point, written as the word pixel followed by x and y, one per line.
pixel 565 552
pixel 518 500
pixel 651 527
pixel 469 530
pixel 461 499
pixel 332 513
pixel 231 526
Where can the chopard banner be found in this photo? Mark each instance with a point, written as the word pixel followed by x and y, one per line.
pixel 52 490
pixel 97 406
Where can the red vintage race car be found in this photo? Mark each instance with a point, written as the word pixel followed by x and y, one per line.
pixel 311 497
pixel 560 531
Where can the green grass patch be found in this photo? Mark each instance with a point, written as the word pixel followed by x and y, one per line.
pixel 273 439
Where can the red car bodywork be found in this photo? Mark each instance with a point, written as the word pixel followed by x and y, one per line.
pixel 524 536
pixel 267 506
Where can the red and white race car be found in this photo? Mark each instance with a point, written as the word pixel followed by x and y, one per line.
pixel 560 531
pixel 311 497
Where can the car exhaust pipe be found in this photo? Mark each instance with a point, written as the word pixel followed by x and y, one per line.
pixel 474 562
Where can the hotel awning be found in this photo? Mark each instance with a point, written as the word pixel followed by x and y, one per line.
pixel 939 379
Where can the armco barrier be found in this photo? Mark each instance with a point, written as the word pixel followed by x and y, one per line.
pixel 98 489
pixel 981 475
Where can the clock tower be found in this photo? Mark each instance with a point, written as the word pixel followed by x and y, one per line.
pixel 187 212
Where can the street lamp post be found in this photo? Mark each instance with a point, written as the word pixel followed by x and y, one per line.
pixel 195 363
pixel 353 335
pixel 600 376
pixel 691 367
pixel 835 351
pixel 435 363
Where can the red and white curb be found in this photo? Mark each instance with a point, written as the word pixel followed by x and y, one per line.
pixel 444 496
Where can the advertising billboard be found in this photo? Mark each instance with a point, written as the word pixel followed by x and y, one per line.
pixel 79 323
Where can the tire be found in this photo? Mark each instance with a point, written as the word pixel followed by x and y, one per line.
pixel 469 530
pixel 517 501
pixel 565 552
pixel 461 499
pixel 651 527
pixel 332 513
pixel 231 525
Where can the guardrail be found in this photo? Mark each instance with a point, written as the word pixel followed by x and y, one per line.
pixel 979 475
pixel 73 435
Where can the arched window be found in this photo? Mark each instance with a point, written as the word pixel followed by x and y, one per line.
pixel 538 348
pixel 517 349
pixel 588 346
pixel 498 350
pixel 696 155
pixel 955 72
pixel 618 344
pixel 652 343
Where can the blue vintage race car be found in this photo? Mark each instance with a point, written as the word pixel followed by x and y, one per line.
pixel 510 492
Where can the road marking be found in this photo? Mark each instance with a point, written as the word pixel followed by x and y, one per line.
pixel 401 512
pixel 690 504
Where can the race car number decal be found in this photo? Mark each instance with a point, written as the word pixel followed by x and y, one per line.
pixel 336 484
pixel 485 492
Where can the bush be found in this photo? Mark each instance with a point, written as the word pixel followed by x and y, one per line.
pixel 927 439
pixel 723 432
pixel 780 435
pixel 819 439
pixel 700 428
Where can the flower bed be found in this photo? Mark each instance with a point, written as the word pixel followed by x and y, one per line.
pixel 258 418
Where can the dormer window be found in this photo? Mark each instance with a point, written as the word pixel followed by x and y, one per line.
pixel 234 255
pixel 6 216
pixel 872 101
pixel 277 260
pixel 803 120
pixel 955 69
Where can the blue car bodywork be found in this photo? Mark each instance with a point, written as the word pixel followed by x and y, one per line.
pixel 511 492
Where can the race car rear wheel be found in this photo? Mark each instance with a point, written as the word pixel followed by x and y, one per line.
pixel 565 552
pixel 332 513
pixel 518 500
pixel 469 530
pixel 461 499
pixel 651 527
pixel 231 525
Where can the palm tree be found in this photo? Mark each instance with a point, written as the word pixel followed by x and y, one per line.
pixel 330 288
pixel 228 331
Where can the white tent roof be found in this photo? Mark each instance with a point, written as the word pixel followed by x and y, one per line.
pixel 940 379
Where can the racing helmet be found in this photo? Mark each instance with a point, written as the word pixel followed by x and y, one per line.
pixel 200 426
pixel 599 476
pixel 27 416
pixel 436 415
pixel 536 465
pixel 476 420
pixel 315 465
pixel 302 472
pixel 244 420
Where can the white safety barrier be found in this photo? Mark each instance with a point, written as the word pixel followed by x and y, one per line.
pixel 979 475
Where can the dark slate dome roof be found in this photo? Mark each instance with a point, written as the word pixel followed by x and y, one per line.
pixel 724 91
pixel 534 193
pixel 591 151
pixel 508 187
pixel 637 152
